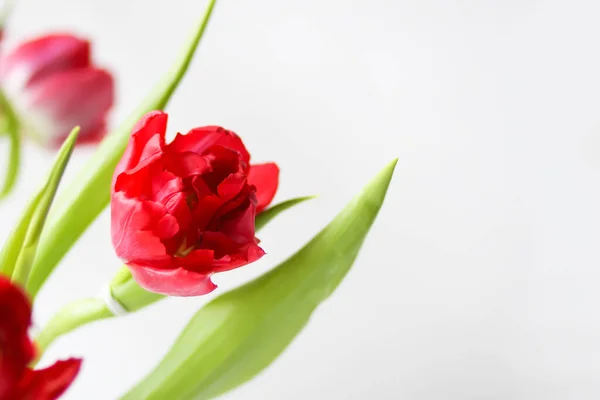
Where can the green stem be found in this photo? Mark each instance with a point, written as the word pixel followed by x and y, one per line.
pixel 123 288
pixel 71 317
pixel 10 126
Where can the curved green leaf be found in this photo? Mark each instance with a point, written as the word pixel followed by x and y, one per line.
pixel 238 334
pixel 79 205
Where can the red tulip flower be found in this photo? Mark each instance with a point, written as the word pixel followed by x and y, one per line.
pixel 53 86
pixel 17 380
pixel 185 210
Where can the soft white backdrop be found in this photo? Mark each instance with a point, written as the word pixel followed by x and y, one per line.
pixel 480 277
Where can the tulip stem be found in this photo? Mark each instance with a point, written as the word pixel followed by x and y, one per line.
pixel 69 318
pixel 10 126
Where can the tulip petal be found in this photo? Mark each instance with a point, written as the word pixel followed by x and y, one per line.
pixel 172 282
pixel 189 164
pixel 231 186
pixel 133 226
pixel 15 317
pixel 266 179
pixel 81 97
pixel 37 59
pixel 197 261
pixel 239 224
pixel 251 253
pixel 151 124
pixel 49 383
pixel 199 140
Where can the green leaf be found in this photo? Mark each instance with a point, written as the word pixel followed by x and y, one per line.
pixel 238 334
pixel 126 292
pixel 266 216
pixel 12 246
pixel 82 201
pixel 10 127
pixel 17 257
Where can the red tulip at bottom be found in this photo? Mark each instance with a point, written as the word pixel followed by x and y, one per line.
pixel 185 210
pixel 17 380
pixel 53 86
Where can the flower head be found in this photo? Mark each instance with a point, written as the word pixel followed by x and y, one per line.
pixel 185 210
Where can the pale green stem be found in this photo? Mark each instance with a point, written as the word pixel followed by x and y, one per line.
pixel 69 318
pixel 85 311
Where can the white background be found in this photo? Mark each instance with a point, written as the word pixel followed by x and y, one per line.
pixel 480 277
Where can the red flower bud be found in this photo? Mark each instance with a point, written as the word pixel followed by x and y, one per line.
pixel 53 87
pixel 185 210
pixel 17 381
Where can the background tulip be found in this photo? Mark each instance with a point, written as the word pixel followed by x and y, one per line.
pixel 52 85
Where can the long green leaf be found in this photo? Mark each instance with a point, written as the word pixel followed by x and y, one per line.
pixel 12 246
pixel 10 127
pixel 238 334
pixel 18 251
pixel 79 205
pixel 126 292
pixel 37 221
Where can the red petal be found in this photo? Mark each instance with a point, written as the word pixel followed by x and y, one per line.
pixel 188 164
pixel 197 261
pixel 239 226
pixel 249 254
pixel 44 56
pixel 176 205
pixel 205 210
pixel 133 226
pixel 164 185
pixel 218 242
pixel 199 140
pixel 80 97
pixel 49 383
pixel 224 162
pixel 167 227
pixel 231 186
pixel 151 124
pixel 172 282
pixel 266 179
pixel 16 350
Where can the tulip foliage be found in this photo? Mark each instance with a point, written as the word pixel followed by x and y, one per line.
pixel 181 212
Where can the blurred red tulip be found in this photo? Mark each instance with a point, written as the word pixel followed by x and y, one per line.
pixel 53 86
